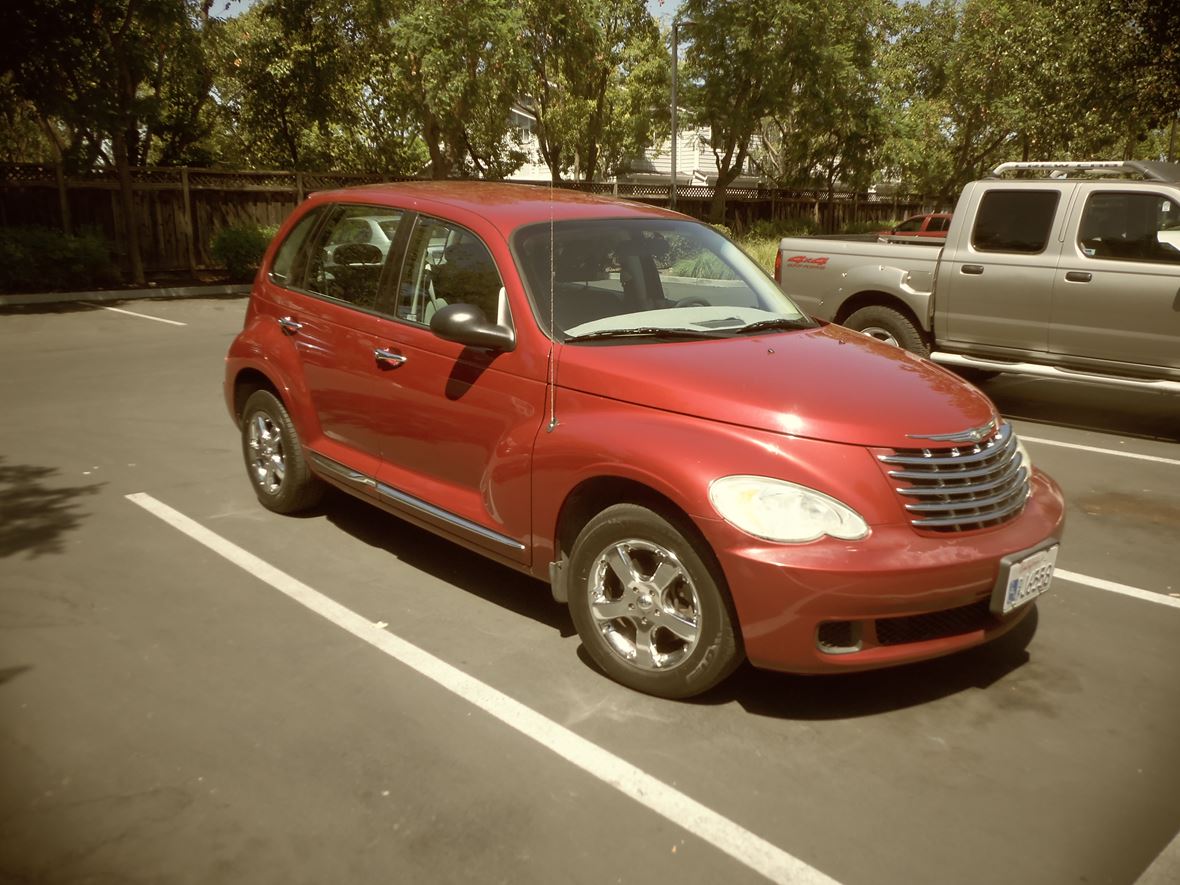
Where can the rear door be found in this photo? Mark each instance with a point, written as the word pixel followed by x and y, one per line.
pixel 332 303
pixel 995 283
pixel 1117 292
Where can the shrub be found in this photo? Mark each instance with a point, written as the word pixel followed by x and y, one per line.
pixel 239 248
pixel 39 259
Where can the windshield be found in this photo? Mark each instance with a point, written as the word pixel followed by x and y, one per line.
pixel 646 278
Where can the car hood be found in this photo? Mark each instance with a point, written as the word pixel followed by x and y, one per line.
pixel 826 383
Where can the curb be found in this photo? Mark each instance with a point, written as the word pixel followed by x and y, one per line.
pixel 125 294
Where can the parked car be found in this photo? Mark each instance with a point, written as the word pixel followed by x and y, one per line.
pixel 1072 274
pixel 931 227
pixel 614 399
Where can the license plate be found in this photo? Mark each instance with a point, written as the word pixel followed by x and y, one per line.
pixel 1023 580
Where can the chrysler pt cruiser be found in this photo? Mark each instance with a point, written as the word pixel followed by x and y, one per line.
pixel 615 399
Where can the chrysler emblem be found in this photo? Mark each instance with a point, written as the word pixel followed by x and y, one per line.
pixel 972 435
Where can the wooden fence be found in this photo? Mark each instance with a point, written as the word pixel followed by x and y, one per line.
pixel 180 210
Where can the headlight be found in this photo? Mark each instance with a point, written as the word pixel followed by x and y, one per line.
pixel 783 511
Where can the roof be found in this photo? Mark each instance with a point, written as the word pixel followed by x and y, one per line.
pixel 505 205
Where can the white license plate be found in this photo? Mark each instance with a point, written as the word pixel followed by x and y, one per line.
pixel 1026 579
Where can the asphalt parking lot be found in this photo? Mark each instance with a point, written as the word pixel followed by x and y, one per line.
pixel 193 689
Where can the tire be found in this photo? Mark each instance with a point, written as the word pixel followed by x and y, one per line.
pixel 274 457
pixel 671 639
pixel 891 326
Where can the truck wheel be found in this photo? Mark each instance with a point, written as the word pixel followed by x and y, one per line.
pixel 651 613
pixel 891 326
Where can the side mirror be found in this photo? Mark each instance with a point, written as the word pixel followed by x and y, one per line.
pixel 466 324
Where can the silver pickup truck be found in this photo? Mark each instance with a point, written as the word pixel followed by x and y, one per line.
pixel 1074 273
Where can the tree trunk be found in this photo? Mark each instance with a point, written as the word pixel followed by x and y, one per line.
pixel 127 205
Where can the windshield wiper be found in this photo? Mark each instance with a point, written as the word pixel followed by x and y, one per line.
pixel 776 323
pixel 645 332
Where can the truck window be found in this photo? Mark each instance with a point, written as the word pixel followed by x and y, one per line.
pixel 1130 227
pixel 1014 221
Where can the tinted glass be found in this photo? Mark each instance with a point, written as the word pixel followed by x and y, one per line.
pixel 677 277
pixel 1130 227
pixel 290 264
pixel 351 255
pixel 1014 221
pixel 446 264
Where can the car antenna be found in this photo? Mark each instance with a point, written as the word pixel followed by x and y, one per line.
pixel 552 323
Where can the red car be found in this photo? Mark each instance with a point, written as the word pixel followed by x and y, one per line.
pixel 615 399
pixel 933 225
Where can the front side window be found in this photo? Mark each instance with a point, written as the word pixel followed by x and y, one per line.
pixel 447 264
pixel 910 225
pixel 646 278
pixel 1130 227
pixel 348 262
pixel 1017 221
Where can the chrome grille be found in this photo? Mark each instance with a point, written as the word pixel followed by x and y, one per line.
pixel 966 486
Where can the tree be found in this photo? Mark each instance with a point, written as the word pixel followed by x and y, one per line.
pixel 830 128
pixel 598 74
pixel 87 68
pixel 459 66
pixel 744 60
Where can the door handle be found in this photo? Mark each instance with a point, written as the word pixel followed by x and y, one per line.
pixel 1078 276
pixel 974 269
pixel 388 357
pixel 290 325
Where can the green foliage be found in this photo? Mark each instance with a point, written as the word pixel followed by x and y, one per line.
pixel 37 259
pixel 239 249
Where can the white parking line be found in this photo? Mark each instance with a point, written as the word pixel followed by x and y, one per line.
pixel 1113 587
pixel 739 843
pixel 144 316
pixel 1064 445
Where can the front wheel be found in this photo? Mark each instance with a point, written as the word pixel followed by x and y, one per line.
pixel 652 614
pixel 891 326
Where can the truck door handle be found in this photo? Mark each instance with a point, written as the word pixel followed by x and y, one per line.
pixel 975 269
pixel 1078 276
pixel 388 357
pixel 290 325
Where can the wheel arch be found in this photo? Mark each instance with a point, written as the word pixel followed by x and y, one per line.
pixel 875 298
pixel 246 383
pixel 595 494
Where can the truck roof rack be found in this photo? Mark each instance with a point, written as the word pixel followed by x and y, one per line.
pixel 1148 170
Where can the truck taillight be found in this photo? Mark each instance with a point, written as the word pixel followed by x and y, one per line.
pixel 778 266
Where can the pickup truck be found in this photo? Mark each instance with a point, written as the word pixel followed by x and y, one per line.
pixel 1074 274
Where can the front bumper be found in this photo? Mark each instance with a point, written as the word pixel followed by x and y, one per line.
pixel 897 596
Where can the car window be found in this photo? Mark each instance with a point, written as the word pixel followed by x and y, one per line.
pixel 290 262
pixel 1130 227
pixel 1014 221
pixel 645 276
pixel 347 262
pixel 909 225
pixel 940 224
pixel 447 264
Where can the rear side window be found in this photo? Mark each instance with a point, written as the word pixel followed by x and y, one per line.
pixel 348 259
pixel 1130 227
pixel 290 263
pixel 1014 221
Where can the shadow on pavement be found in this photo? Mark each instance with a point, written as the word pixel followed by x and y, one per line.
pixel 33 514
pixel 446 561
pixel 1136 413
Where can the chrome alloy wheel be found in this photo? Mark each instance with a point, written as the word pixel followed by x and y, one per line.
pixel 644 604
pixel 268 463
pixel 880 334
